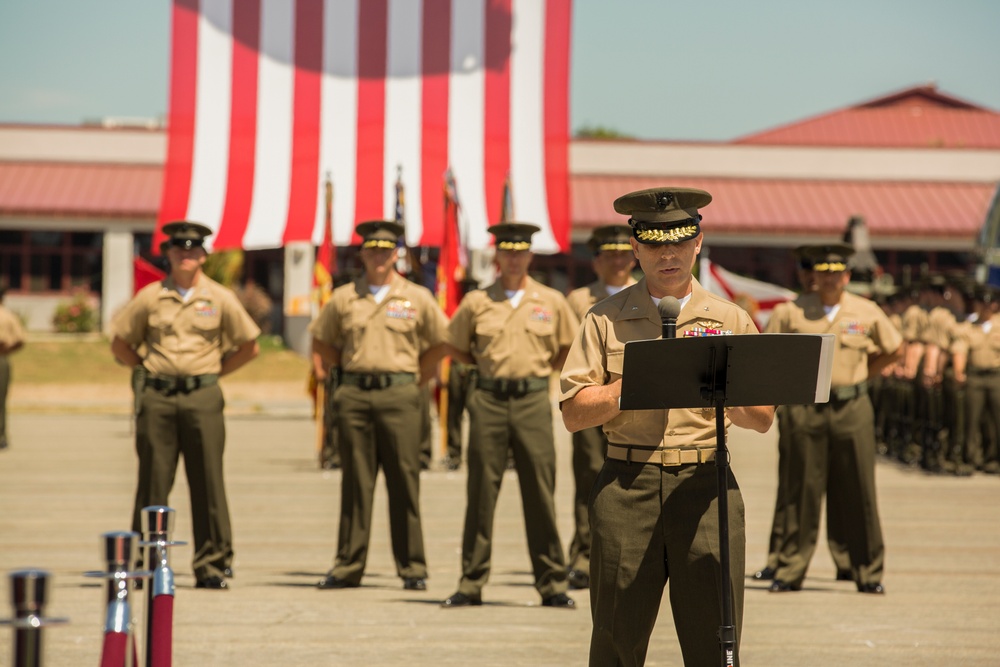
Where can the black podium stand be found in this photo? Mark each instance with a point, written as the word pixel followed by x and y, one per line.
pixel 721 371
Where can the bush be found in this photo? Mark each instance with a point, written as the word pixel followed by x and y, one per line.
pixel 78 315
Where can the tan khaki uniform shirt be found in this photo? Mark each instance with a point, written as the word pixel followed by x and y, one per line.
pixel 597 355
pixel 860 326
pixel 582 298
pixel 185 337
pixel 508 342
pixel 983 349
pixel 11 331
pixel 914 323
pixel 940 329
pixel 386 337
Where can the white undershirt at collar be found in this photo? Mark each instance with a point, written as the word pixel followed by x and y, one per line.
pixel 379 292
pixel 514 296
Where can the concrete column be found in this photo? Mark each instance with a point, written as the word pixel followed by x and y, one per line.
pixel 299 261
pixel 117 275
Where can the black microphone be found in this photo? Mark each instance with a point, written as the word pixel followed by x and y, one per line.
pixel 669 308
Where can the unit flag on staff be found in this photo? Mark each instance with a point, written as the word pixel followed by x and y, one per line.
pixel 267 96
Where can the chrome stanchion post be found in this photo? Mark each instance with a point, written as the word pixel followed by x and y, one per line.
pixel 157 523
pixel 120 550
pixel 29 593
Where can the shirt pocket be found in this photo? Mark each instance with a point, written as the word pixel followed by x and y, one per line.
pixel 855 348
pixel 209 326
pixel 487 332
pixel 402 325
pixel 541 328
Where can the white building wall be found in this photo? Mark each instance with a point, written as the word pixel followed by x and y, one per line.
pixel 117 275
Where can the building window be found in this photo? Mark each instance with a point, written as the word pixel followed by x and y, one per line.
pixel 49 261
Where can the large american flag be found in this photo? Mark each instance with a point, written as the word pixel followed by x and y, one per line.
pixel 268 96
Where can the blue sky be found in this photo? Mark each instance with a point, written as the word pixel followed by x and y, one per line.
pixel 654 69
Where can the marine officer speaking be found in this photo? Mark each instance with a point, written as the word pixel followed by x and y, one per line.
pixel 194 331
pixel 386 335
pixel 653 511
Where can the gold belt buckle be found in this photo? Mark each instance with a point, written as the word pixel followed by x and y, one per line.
pixel 670 457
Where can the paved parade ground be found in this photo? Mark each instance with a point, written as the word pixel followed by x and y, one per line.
pixel 69 477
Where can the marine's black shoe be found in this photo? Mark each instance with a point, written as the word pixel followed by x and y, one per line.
pixel 767 574
pixel 330 582
pixel 560 601
pixel 414 584
pixel 875 589
pixel 462 600
pixel 212 583
pixel 779 586
pixel 578 580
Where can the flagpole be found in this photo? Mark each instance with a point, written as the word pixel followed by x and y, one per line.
pixel 444 370
pixel 329 253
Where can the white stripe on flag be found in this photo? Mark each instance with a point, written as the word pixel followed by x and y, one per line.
pixel 465 115
pixel 211 128
pixel 273 161
pixel 267 196
pixel 339 117
pixel 402 113
pixel 527 114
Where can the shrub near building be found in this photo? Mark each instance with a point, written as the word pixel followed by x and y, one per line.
pixel 78 315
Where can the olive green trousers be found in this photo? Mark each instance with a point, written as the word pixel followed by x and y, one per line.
pixel 653 524
pixel 171 425
pixel 379 429
pixel 524 425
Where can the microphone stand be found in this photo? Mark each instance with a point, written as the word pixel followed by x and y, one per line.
pixel 715 393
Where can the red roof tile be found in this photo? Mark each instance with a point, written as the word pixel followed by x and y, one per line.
pixel 914 118
pixel 786 207
pixel 778 207
pixel 116 190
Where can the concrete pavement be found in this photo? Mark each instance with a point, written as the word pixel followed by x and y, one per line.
pixel 69 476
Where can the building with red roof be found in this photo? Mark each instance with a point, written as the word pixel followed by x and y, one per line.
pixel 920 167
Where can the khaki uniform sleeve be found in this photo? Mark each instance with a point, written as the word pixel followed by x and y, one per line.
pixel 567 325
pixel 435 331
pixel 585 364
pixel 460 329
pixel 237 325
pixel 884 335
pixel 579 301
pixel 131 322
pixel 960 343
pixel 326 327
pixel 11 331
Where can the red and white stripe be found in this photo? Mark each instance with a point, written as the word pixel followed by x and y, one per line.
pixel 268 96
pixel 756 296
